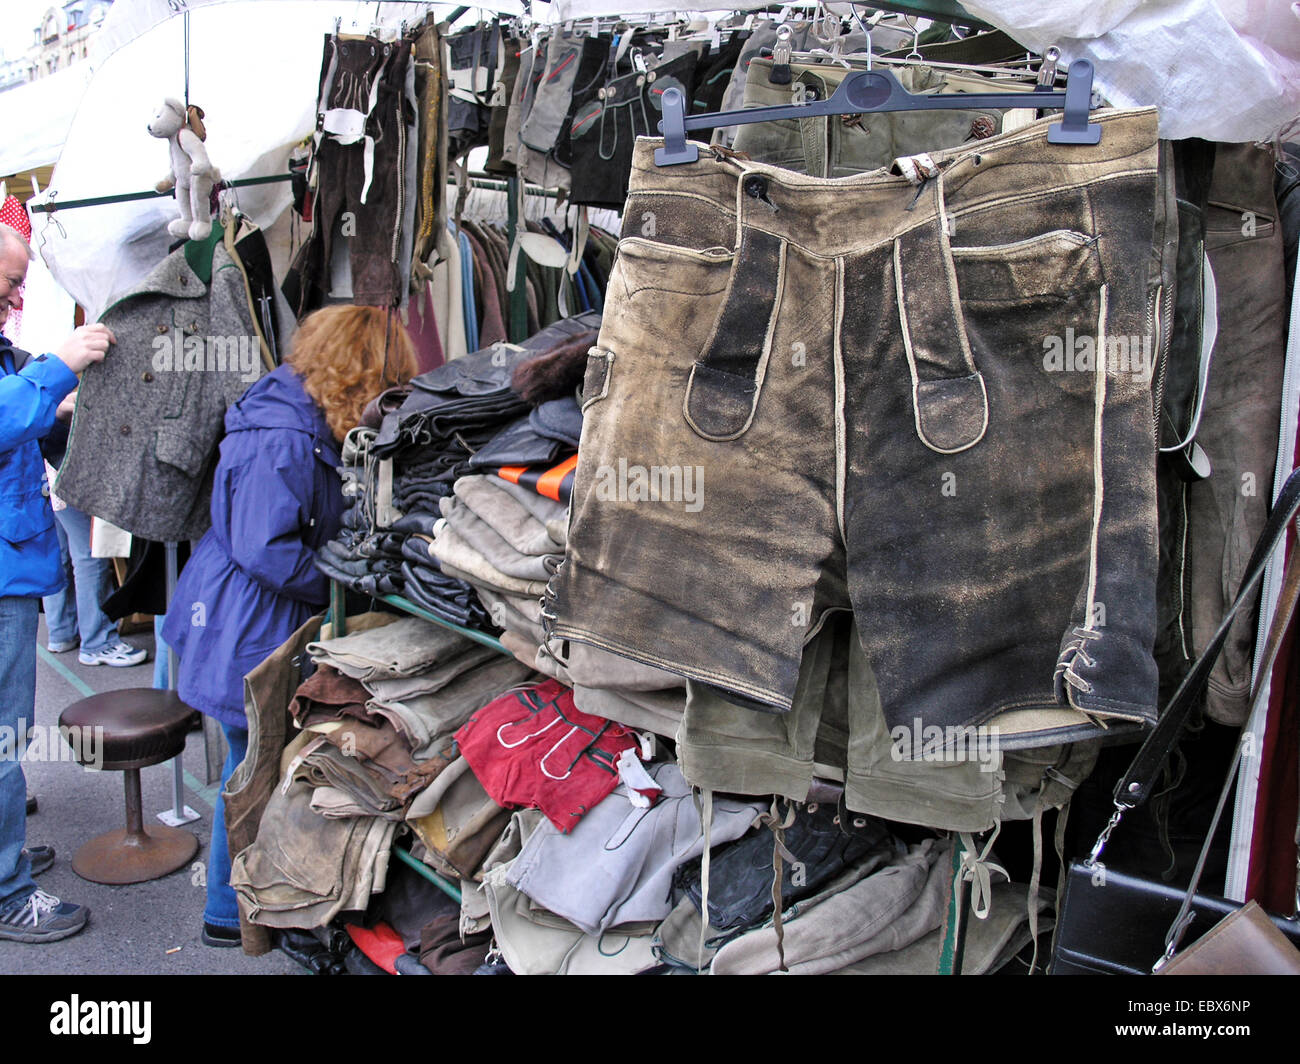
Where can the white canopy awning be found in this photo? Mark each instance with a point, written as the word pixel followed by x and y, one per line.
pixel 38 116
pixel 1226 70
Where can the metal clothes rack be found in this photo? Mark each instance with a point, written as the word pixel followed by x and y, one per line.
pixel 517 325
pixel 54 206
pixel 952 947
pixel 477 180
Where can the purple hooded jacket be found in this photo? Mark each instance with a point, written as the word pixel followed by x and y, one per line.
pixel 250 583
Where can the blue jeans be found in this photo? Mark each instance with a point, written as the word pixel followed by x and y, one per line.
pixel 93 580
pixel 222 909
pixel 160 656
pixel 18 623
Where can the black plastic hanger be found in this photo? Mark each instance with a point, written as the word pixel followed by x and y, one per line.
pixel 867 91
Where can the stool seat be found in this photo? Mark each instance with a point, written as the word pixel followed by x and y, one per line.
pixel 140 727
pixel 125 731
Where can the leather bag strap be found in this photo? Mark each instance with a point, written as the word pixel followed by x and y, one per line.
pixel 1136 786
pixel 1277 630
pixel 1137 783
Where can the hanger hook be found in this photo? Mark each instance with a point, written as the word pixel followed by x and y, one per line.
pixel 865 29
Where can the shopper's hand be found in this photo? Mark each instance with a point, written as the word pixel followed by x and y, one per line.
pixel 86 345
pixel 69 404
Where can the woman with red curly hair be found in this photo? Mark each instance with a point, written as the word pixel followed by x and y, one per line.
pixel 276 498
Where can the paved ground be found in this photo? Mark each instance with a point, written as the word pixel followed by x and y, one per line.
pixel 132 929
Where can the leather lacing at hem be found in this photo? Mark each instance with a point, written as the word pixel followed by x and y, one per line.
pixel 1075 653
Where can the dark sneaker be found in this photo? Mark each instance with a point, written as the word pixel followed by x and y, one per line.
pixel 32 804
pixel 41 857
pixel 220 936
pixel 41 917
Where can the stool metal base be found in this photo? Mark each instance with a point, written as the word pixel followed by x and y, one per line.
pixel 120 857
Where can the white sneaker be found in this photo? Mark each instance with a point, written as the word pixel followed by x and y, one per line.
pixel 120 655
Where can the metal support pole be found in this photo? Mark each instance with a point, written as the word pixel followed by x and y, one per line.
pixel 338 610
pixel 518 327
pixel 953 945
pixel 179 813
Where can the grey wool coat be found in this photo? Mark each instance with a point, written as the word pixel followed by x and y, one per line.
pixel 150 417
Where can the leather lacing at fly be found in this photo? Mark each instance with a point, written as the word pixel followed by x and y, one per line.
pixel 552 564
pixel 722 154
pixel 511 739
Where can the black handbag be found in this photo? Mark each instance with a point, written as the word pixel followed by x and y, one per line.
pixel 1110 922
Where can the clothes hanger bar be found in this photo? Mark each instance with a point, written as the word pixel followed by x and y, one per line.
pixel 498 184
pixel 875 91
pixel 859 59
pixel 127 197
pixel 72 204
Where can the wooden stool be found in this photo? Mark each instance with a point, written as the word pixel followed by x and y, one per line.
pixel 125 731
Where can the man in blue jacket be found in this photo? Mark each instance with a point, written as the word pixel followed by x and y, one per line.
pixel 31 396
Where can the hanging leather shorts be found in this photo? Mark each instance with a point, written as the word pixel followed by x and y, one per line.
pixel 923 394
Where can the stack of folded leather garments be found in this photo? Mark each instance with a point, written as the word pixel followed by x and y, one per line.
pixel 854 897
pixel 470 393
pixel 546 435
pixel 589 901
pixel 478 541
pixel 426 922
pixel 443 594
pixel 378 715
pixel 367 562
pixel 504 539
pixel 303 869
pixel 451 419
pixel 418 682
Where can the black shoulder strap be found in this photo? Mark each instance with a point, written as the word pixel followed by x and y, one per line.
pixel 1135 787
pixel 1277 631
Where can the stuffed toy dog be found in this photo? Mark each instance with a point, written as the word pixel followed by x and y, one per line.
pixel 193 174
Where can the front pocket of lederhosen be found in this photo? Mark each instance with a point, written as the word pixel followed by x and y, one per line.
pixel 988 297
pixel 1226 225
pixel 661 307
pixel 1045 268
pixel 701 320
pixel 662 302
pixel 723 389
pixel 1043 296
